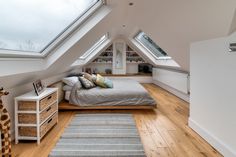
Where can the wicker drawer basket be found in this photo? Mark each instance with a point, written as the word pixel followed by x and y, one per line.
pixel 30 118
pixel 31 105
pixel 44 128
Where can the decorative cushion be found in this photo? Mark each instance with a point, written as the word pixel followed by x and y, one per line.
pixel 108 83
pixel 88 76
pixel 94 77
pixel 76 74
pixel 86 83
pixel 100 81
pixel 70 80
pixel 67 88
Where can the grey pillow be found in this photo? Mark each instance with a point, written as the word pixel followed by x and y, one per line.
pixel 86 83
pixel 78 85
pixel 70 80
pixel 67 88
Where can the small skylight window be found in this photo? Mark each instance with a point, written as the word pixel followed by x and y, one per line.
pixel 95 46
pixel 151 46
pixel 30 26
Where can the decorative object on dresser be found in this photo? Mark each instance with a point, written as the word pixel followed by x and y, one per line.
pixel 38 87
pixel 35 115
pixel 5 124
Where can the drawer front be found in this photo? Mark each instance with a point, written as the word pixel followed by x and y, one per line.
pixel 48 124
pixel 27 105
pixel 47 101
pixel 47 112
pixel 27 118
pixel 27 131
pixel 45 127
pixel 30 118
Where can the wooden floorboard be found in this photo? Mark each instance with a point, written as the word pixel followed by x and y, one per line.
pixel 164 131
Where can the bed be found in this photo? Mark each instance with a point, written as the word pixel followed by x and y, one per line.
pixel 126 94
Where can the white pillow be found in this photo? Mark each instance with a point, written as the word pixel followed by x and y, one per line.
pixel 67 88
pixel 70 81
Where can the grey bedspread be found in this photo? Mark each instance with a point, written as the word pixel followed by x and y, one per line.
pixel 125 92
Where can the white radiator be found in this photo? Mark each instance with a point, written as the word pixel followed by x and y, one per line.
pixel 173 79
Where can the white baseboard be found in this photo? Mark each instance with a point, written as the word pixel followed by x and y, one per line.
pixel 172 90
pixel 211 139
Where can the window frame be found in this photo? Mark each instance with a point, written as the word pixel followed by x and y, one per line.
pixel 98 43
pixel 6 53
pixel 148 50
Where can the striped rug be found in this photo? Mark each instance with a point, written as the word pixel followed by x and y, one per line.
pixel 100 135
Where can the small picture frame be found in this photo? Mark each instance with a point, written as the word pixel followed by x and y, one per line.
pixel 38 87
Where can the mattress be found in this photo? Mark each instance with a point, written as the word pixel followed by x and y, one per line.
pixel 125 92
pixel 67 95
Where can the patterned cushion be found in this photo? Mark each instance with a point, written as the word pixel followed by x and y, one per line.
pixel 86 83
pixel 108 83
pixel 76 74
pixel 94 77
pixel 88 76
pixel 100 81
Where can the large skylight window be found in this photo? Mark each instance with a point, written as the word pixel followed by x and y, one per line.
pixel 32 25
pixel 94 47
pixel 151 46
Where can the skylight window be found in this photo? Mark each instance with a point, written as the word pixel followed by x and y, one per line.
pixel 32 25
pixel 151 46
pixel 95 46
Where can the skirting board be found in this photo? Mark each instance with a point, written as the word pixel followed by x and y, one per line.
pixel 172 90
pixel 211 139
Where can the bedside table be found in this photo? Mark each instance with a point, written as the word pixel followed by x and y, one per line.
pixel 35 115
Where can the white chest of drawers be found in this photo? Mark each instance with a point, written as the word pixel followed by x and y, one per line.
pixel 35 115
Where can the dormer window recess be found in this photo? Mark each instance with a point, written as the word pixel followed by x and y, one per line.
pixel 146 42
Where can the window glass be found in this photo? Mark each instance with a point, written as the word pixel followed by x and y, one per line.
pixel 151 46
pixel 32 25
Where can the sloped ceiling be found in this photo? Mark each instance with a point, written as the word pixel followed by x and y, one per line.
pixel 173 25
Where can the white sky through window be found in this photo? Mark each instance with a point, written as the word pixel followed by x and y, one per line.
pixel 30 25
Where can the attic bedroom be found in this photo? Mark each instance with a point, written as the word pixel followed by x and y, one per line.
pixel 117 78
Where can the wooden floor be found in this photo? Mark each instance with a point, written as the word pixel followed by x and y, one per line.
pixel 164 131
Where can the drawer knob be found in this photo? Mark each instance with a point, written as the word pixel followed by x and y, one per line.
pixel 49 120
pixel 49 109
pixel 49 97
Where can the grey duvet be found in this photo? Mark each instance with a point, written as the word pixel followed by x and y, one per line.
pixel 125 92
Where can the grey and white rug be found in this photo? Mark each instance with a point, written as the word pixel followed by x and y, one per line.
pixel 100 135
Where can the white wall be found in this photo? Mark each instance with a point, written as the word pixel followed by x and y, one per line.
pixel 213 93
pixel 131 68
pixel 174 81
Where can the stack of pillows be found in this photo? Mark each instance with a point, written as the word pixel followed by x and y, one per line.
pixel 86 81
